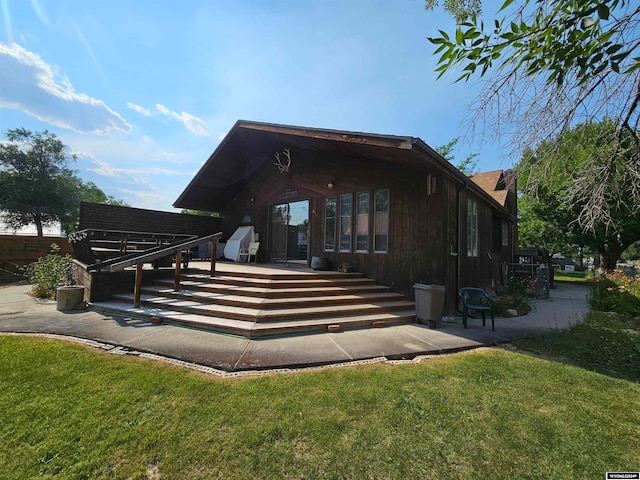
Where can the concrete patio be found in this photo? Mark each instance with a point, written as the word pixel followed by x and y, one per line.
pixel 20 313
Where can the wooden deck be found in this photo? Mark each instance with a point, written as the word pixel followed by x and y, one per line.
pixel 256 300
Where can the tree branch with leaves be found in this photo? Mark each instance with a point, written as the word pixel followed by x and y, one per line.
pixel 546 67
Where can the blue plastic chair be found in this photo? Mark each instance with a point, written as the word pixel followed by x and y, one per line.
pixel 476 299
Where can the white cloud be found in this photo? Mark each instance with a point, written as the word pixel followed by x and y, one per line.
pixel 135 149
pixel 191 122
pixel 38 89
pixel 107 170
pixel 146 199
pixel 139 109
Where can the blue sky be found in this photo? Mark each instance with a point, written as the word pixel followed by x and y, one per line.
pixel 143 91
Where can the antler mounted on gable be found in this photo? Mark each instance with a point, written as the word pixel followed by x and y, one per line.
pixel 283 167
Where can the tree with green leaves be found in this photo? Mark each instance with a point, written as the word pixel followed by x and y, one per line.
pixel 552 209
pixel 36 184
pixel 468 166
pixel 632 253
pixel 538 226
pixel 85 192
pixel 546 67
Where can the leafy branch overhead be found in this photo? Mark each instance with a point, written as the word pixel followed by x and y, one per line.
pixel 547 66
pixel 550 38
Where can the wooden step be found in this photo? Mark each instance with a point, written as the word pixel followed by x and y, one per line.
pixel 262 315
pixel 263 301
pixel 307 281
pixel 266 292
pixel 291 301
pixel 253 329
pixel 273 275
pixel 219 324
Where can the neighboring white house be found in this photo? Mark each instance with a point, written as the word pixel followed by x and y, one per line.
pixel 53 230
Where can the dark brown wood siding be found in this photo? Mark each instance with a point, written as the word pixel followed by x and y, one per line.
pixel 427 235
pixel 100 216
pixel 422 232
pixel 486 270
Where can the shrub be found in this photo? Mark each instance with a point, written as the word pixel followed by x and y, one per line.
pixel 514 296
pixel 616 292
pixel 48 273
pixel 511 301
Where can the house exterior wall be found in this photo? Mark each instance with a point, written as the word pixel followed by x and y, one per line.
pixel 486 269
pixel 423 229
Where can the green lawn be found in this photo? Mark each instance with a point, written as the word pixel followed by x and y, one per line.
pixel 576 277
pixel 605 342
pixel 71 412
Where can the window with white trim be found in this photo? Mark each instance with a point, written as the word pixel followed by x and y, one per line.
pixel 330 224
pixel 381 221
pixel 346 221
pixel 362 221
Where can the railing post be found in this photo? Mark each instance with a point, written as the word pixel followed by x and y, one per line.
pixel 214 248
pixel 138 285
pixel 176 279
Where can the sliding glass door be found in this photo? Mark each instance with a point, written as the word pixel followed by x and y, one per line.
pixel 289 232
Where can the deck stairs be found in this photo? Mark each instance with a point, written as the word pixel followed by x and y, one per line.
pixel 257 302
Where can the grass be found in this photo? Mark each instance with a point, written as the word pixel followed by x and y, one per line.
pixel 573 277
pixel 70 412
pixel 606 342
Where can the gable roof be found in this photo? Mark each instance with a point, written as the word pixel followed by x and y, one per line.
pixel 248 145
pixel 494 184
pixel 488 181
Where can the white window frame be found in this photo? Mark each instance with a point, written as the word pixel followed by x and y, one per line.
pixel 335 219
pixel 345 227
pixel 376 248
pixel 367 223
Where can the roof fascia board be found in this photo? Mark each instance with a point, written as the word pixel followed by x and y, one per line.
pixel 204 166
pixel 390 141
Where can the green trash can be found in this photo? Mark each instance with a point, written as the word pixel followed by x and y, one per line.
pixel 429 304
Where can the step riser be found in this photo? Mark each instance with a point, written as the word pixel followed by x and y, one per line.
pixel 321 328
pixel 248 332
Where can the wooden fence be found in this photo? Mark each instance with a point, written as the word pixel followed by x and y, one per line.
pixel 19 250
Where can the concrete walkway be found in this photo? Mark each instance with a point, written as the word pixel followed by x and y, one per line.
pixel 20 313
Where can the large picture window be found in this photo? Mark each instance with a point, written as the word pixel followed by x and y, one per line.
pixel 381 221
pixel 346 221
pixel 330 224
pixel 472 228
pixel 362 221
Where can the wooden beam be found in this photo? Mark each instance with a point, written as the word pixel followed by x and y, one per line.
pixel 138 285
pixel 176 279
pixel 214 248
